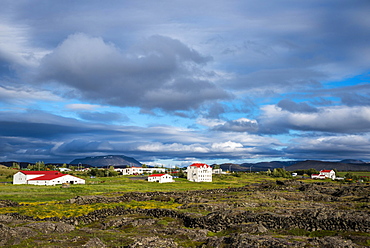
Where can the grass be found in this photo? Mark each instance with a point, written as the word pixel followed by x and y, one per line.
pixel 6 174
pixel 57 209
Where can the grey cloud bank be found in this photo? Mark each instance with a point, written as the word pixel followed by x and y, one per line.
pixel 169 83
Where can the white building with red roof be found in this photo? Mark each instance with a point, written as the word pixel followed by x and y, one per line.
pixel 324 174
pixel 134 170
pixel 160 178
pixel 45 178
pixel 199 173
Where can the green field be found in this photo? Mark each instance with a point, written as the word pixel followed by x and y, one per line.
pixel 357 173
pixel 108 185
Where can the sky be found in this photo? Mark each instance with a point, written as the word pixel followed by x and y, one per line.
pixel 176 82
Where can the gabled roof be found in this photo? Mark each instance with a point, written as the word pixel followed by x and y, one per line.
pixel 39 172
pixel 200 165
pixel 157 175
pixel 325 170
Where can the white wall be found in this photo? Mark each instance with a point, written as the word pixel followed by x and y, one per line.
pixel 19 178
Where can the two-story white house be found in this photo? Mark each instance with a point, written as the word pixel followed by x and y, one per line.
pixel 199 173
pixel 324 174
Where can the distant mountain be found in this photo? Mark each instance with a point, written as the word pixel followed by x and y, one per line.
pixel 102 161
pixel 321 165
pixel 267 165
pixel 344 165
pixel 352 161
pixel 261 166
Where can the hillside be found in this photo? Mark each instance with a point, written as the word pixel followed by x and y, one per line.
pixel 101 161
pixel 344 165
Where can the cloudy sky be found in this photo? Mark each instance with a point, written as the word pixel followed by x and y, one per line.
pixel 176 82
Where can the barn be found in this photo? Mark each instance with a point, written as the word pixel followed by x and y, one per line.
pixel 45 178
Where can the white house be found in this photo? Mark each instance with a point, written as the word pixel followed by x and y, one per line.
pixel 160 178
pixel 218 171
pixel 199 173
pixel 324 174
pixel 45 178
pixel 139 170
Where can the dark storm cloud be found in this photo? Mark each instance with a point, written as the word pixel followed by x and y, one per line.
pixel 160 73
pixel 38 124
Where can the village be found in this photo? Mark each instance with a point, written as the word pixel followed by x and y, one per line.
pixel 196 172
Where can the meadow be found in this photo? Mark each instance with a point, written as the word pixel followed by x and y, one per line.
pixel 264 196
pixel 48 201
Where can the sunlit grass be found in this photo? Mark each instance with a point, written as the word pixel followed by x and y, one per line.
pixel 57 209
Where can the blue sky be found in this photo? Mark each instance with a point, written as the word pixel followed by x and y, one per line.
pixel 177 82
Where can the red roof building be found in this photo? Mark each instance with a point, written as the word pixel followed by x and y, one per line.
pixel 45 178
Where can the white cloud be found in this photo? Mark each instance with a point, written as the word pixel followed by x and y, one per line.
pixel 82 106
pixel 228 146
pixel 340 119
pixel 174 147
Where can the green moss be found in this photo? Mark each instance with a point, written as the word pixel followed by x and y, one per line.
pixel 323 233
pixel 298 232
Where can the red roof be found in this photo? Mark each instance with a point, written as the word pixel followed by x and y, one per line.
pixel 325 170
pixel 45 175
pixel 48 177
pixel 39 172
pixel 200 165
pixel 157 175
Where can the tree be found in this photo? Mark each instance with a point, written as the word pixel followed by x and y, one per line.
pixel 280 172
pixel 352 176
pixel 16 166
pixel 40 165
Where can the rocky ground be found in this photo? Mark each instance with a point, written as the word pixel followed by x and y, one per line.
pixel 272 214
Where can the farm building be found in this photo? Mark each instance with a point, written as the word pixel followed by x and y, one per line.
pixel 160 178
pixel 45 178
pixel 199 173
